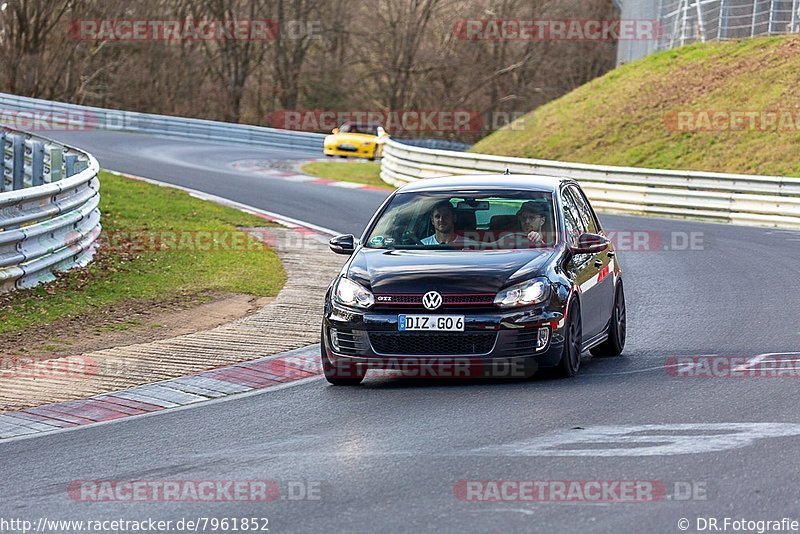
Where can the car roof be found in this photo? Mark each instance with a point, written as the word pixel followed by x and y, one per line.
pixel 518 182
pixel 362 124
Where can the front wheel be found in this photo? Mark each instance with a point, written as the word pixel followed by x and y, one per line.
pixel 617 329
pixel 339 375
pixel 570 362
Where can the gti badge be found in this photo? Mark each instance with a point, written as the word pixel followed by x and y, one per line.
pixel 432 300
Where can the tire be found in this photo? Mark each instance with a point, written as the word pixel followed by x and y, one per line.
pixel 352 376
pixel 617 331
pixel 570 362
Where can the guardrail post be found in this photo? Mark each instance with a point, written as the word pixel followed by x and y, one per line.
pixel 2 162
pixel 69 165
pixel 53 164
pixel 37 163
pixel 18 168
pixel 8 163
pixel 81 165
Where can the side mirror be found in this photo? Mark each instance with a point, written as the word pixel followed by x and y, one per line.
pixel 590 244
pixel 343 244
pixel 335 131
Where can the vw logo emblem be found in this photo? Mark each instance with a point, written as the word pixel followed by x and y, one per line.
pixel 432 300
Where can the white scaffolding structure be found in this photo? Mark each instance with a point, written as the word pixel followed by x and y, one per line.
pixel 688 21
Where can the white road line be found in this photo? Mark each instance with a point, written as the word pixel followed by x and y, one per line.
pixel 750 363
pixel 346 185
pixel 762 358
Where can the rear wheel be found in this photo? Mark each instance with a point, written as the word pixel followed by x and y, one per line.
pixel 617 329
pixel 339 375
pixel 570 362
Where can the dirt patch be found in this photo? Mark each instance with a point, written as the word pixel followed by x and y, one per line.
pixel 129 323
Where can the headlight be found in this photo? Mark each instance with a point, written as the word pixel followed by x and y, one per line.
pixel 351 293
pixel 524 294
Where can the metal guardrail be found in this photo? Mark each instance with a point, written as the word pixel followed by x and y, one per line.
pixel 49 216
pixel 438 144
pixel 76 117
pixel 730 198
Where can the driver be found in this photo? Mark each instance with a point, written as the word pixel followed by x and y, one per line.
pixel 531 217
pixel 443 219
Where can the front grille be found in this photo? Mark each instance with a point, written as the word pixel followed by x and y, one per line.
pixel 478 300
pixel 412 301
pixel 432 344
pixel 401 299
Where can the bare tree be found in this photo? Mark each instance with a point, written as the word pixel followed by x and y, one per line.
pixel 230 62
pixel 31 59
pixel 390 55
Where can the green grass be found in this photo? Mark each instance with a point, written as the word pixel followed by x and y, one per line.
pixel 360 172
pixel 123 274
pixel 622 118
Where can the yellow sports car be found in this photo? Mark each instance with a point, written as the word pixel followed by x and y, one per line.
pixel 356 140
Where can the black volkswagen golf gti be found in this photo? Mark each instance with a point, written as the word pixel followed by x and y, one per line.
pixel 475 276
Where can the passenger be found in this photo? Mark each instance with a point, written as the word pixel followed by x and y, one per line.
pixel 443 219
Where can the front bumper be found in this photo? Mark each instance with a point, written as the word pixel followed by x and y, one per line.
pixel 493 343
pixel 363 151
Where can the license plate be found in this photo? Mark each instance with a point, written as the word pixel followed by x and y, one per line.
pixel 441 323
pixel 349 148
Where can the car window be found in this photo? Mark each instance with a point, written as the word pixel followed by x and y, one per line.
pixel 490 220
pixel 572 217
pixel 350 127
pixel 587 215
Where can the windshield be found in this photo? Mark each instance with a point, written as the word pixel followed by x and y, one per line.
pixel 485 221
pixel 350 127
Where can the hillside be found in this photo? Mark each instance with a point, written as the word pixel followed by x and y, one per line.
pixel 674 110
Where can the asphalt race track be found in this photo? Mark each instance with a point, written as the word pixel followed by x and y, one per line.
pixel 394 454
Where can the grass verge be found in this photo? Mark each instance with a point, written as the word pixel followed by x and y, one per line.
pixel 199 251
pixel 629 116
pixel 360 172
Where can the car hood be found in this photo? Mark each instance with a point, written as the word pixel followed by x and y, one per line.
pixel 419 271
pixel 351 138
